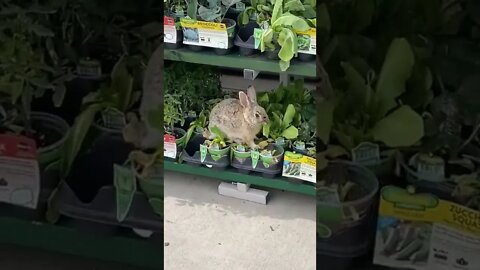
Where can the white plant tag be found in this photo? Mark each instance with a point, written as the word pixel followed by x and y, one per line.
pixel 169 29
pixel 169 146
pixel 366 154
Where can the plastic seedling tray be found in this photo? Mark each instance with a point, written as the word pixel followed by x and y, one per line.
pixel 191 155
pixel 103 209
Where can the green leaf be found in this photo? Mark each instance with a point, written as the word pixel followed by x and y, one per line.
pixel 289 115
pixel 59 95
pixel 41 30
pixel 363 14
pixel 266 130
pixel 401 128
pixel 277 10
pixel 290 133
pixel 122 84
pixel 323 18
pixel 325 111
pixel 395 72
pixel 75 137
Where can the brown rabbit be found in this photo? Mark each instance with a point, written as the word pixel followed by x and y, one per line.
pixel 239 119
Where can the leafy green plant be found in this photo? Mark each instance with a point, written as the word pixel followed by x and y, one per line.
pixel 219 141
pixel 172 112
pixel 29 65
pixel 281 31
pixel 368 109
pixel 281 126
pixel 119 96
pixel 197 126
pixel 214 10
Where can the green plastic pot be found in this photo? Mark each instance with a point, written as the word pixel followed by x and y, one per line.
pixel 231 27
pixel 217 154
pixel 272 160
pixel 240 156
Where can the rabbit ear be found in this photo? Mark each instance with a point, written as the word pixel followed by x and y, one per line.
pixel 252 93
pixel 244 99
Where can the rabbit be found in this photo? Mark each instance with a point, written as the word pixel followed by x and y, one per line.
pixel 239 119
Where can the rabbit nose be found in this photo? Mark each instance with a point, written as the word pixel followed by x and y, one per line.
pixel 265 118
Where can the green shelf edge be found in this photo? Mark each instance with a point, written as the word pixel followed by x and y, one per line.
pixel 235 60
pixel 62 239
pixel 230 175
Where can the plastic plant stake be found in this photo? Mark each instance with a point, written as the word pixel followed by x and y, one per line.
pixel 125 186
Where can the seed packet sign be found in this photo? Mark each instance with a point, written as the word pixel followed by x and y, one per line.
pixel 170 32
pixel 422 232
pixel 19 171
pixel 169 146
pixel 299 166
pixel 207 34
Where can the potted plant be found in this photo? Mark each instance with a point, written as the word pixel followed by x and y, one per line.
pixel 217 147
pixel 106 111
pixel 27 72
pixel 346 209
pixel 212 11
pixel 175 10
pixel 280 128
pixel 359 126
pixel 174 136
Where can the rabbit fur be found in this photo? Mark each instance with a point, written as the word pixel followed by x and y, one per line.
pixel 239 119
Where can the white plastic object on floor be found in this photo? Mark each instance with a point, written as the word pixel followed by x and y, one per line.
pixel 250 74
pixel 142 233
pixel 243 192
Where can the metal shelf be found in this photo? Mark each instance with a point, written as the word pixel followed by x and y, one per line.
pixel 64 239
pixel 235 60
pixel 231 175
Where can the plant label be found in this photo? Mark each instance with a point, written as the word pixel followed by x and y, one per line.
pixel 169 146
pixel 125 183
pixel 207 34
pixel 307 41
pixel 203 152
pixel 114 119
pixel 19 171
pixel 300 167
pixel 280 142
pixel 169 29
pixel 255 157
pixel 240 6
pixel 329 211
pixel 430 168
pixel 423 232
pixel 257 34
pixel 89 67
pixel 366 154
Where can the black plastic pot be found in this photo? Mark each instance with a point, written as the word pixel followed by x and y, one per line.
pixel 349 239
pixel 191 154
pixel 231 31
pixel 94 169
pixel 245 39
pixel 77 89
pixel 305 57
pixel 272 55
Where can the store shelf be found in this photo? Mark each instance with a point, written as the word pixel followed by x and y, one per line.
pixel 63 239
pixel 230 175
pixel 256 62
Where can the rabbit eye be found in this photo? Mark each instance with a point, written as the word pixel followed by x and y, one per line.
pixel 257 115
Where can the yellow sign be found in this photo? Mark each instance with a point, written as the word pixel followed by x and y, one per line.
pixel 202 25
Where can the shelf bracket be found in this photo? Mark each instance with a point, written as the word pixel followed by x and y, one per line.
pixel 243 191
pixel 250 74
pixel 284 78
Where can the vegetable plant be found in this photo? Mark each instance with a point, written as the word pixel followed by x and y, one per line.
pixel 280 126
pixel 172 112
pixel 368 109
pixel 118 96
pixel 214 10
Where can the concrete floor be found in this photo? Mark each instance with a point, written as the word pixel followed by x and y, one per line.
pixel 206 231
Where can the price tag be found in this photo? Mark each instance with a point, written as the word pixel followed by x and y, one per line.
pixel 431 168
pixel 207 34
pixel 366 154
pixel 240 6
pixel 299 166
pixel 19 171
pixel 113 119
pixel 170 31
pixel 169 146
